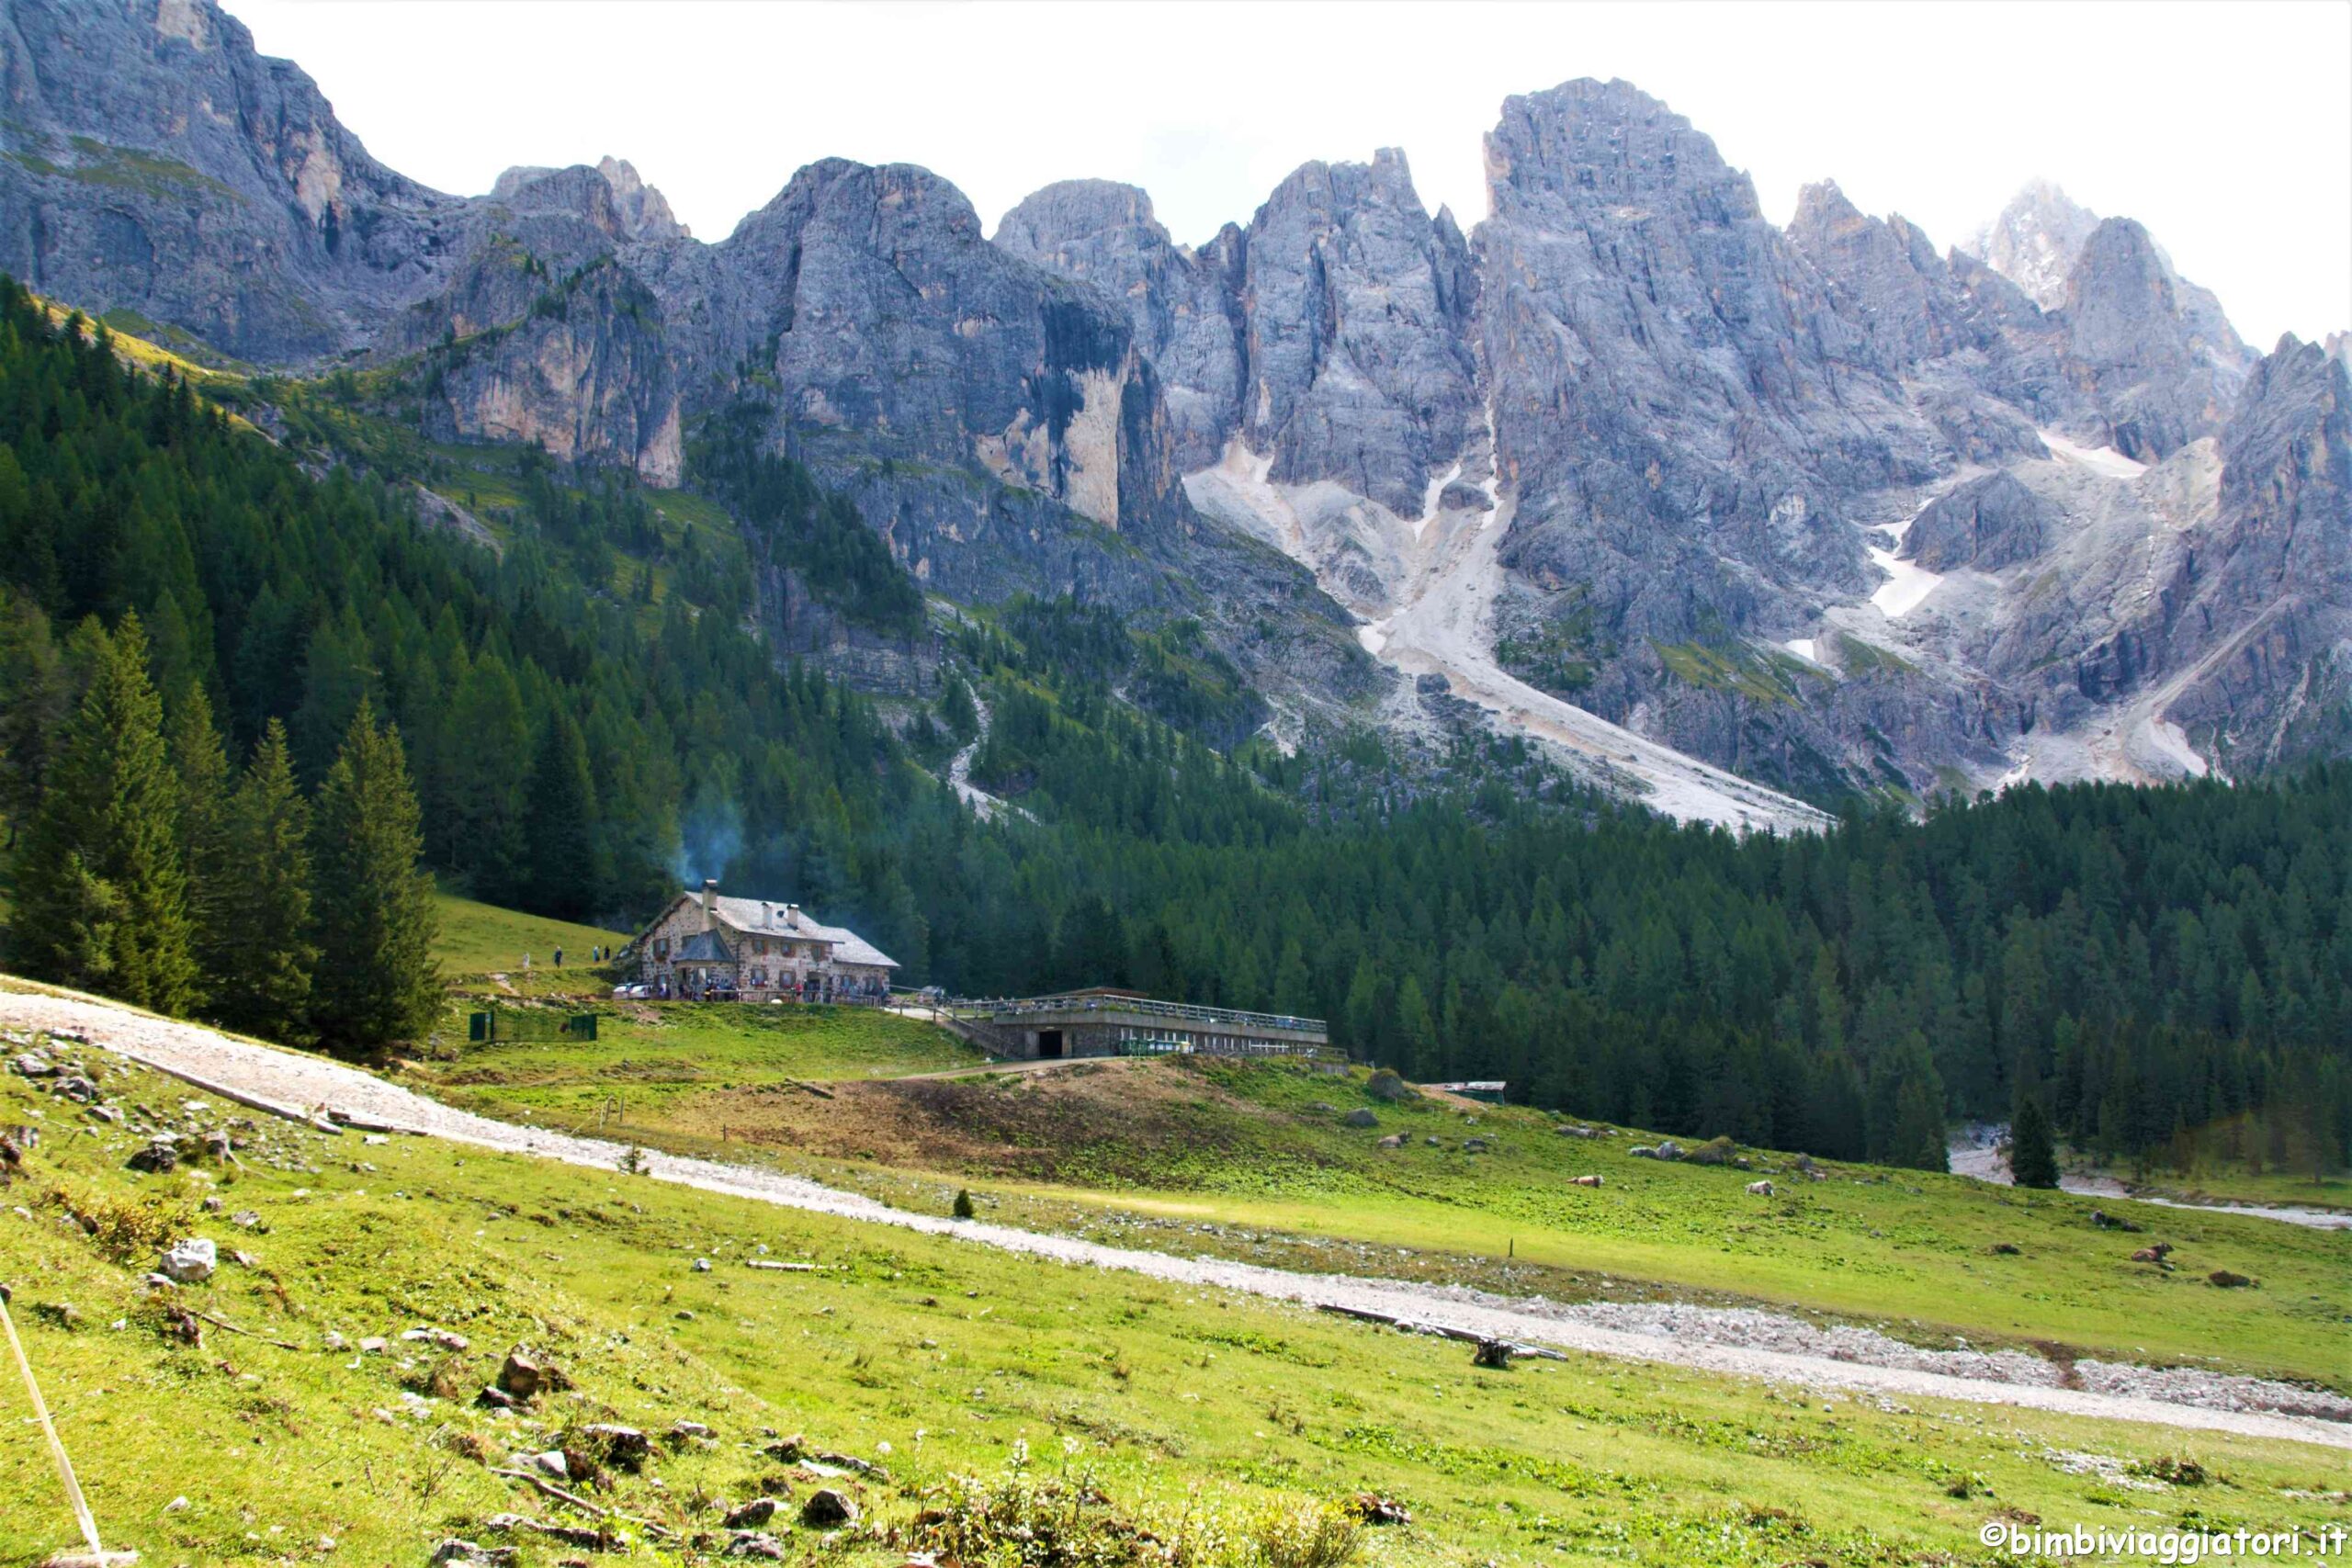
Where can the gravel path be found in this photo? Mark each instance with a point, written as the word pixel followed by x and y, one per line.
pixel 1746 1343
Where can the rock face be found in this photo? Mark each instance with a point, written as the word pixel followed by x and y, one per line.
pixel 155 163
pixel 1989 524
pixel 1184 306
pixel 2275 577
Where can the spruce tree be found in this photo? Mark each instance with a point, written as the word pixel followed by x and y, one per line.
pixel 2033 1155
pixel 201 767
pixel 266 956
pixel 376 980
pixel 101 892
pixel 34 700
pixel 560 824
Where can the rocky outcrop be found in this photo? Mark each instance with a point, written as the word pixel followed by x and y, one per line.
pixel 1989 524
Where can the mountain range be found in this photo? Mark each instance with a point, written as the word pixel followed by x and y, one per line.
pixel 1742 519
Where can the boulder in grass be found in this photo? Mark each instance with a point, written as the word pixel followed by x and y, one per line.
pixel 755 1545
pixel 2228 1280
pixel 1360 1117
pixel 466 1552
pixel 1387 1085
pixel 622 1447
pixel 749 1516
pixel 160 1155
pixel 828 1510
pixel 192 1261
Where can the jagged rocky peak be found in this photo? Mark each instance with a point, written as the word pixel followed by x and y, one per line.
pixel 610 194
pixel 1608 141
pixel 1888 276
pixel 2159 379
pixel 2035 240
pixel 1184 305
pixel 1359 317
pixel 892 318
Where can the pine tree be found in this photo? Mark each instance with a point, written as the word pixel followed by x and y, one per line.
pixel 2033 1155
pixel 201 767
pixel 34 701
pixel 559 825
pixel 376 980
pixel 266 956
pixel 101 893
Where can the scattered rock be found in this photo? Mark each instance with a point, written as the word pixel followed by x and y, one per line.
pixel 249 1219
pixel 525 1377
pixel 78 1089
pixel 191 1261
pixel 754 1543
pixel 161 1155
pixel 2107 1222
pixel 2004 1249
pixel 827 1509
pixel 702 1265
pixel 212 1204
pixel 493 1397
pixel 2228 1280
pixel 374 1345
pixel 622 1447
pixel 1668 1149
pixel 1360 1117
pixel 689 1432
pixel 440 1338
pixel 33 1066
pixel 106 1113
pixel 1715 1151
pixel 1386 1084
pixel 758 1511
pixel 554 1463
pixel 456 1551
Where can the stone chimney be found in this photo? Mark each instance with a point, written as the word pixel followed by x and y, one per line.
pixel 792 917
pixel 710 903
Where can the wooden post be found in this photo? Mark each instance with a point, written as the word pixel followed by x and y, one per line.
pixel 99 1555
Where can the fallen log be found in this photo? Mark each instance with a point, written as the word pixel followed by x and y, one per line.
pixel 249 1334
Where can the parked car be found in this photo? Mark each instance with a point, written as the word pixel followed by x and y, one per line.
pixel 631 992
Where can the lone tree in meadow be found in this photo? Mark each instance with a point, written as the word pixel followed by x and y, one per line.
pixel 2033 1155
pixel 102 895
pixel 376 980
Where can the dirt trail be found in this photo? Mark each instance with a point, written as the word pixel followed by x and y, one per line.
pixel 305 1083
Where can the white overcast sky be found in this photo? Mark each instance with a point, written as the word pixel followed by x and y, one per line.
pixel 2227 128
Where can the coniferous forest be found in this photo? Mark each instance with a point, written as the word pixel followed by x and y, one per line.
pixel 242 702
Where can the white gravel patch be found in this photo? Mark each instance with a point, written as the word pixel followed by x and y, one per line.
pixel 1740 1342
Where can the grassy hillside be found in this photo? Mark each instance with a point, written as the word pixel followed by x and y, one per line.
pixel 1065 1399
pixel 479 939
pixel 1266 1149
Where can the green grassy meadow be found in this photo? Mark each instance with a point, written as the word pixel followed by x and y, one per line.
pixel 1220 1421
pixel 1119 1148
